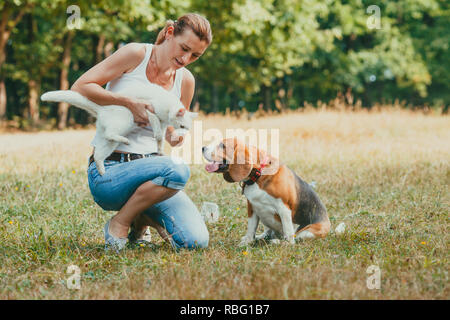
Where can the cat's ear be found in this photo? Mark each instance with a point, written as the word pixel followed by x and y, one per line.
pixel 193 114
pixel 181 112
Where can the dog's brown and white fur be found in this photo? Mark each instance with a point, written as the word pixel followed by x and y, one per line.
pixel 286 205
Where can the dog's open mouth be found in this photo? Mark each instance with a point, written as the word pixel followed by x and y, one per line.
pixel 216 166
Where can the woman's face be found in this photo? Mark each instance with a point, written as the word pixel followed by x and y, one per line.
pixel 185 48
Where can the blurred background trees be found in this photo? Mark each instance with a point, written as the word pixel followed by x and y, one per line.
pixel 266 54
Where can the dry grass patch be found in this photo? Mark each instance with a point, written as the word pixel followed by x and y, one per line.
pixel 385 174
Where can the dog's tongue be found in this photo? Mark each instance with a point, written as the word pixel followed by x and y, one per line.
pixel 211 167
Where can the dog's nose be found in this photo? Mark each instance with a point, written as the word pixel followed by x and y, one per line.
pixel 203 149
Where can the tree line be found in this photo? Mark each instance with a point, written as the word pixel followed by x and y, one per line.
pixel 269 54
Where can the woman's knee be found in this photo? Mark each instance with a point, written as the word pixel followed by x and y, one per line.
pixel 191 241
pixel 179 173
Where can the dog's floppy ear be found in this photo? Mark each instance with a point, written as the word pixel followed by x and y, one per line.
pixel 227 177
pixel 242 163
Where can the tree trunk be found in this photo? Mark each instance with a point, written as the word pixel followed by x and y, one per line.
pixel 33 104
pixel 214 99
pixel 290 94
pixel 2 99
pixel 234 101
pixel 267 97
pixel 63 107
pixel 194 101
pixel 4 36
pixel 109 49
pixel 99 49
pixel 2 82
pixel 7 23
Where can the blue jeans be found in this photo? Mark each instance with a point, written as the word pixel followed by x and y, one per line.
pixel 178 214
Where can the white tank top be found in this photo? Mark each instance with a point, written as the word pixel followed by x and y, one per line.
pixel 141 139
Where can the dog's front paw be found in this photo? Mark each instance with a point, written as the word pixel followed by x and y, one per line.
pixel 262 236
pixel 266 235
pixel 245 241
pixel 289 239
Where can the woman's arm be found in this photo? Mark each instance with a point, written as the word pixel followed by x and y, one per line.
pixel 123 60
pixel 187 93
pixel 187 89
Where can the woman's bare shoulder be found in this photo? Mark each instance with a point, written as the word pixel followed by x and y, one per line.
pixel 135 52
pixel 187 88
pixel 188 78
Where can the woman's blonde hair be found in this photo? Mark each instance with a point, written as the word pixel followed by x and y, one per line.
pixel 197 23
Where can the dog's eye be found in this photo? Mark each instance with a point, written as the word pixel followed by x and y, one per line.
pixel 182 127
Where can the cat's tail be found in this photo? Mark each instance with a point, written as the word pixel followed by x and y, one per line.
pixel 73 98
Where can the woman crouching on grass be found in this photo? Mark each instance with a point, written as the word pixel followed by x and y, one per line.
pixel 146 191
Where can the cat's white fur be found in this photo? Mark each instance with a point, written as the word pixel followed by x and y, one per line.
pixel 115 122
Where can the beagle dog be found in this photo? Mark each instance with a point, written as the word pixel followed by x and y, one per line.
pixel 286 205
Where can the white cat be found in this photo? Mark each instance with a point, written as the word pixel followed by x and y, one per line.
pixel 115 122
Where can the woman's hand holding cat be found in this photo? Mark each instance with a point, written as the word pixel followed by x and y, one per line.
pixel 172 137
pixel 138 109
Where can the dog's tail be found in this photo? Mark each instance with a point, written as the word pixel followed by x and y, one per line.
pixel 73 98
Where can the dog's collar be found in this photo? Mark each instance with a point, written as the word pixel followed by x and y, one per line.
pixel 222 167
pixel 253 177
pixel 255 174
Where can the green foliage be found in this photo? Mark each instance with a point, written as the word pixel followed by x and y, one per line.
pixel 311 50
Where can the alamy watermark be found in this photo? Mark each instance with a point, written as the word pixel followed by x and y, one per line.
pixel 374 280
pixel 267 140
pixel 74 20
pixel 374 21
pixel 74 281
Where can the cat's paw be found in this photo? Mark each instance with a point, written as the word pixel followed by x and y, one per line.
pixel 158 135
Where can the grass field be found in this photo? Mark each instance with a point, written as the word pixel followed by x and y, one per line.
pixel 385 174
